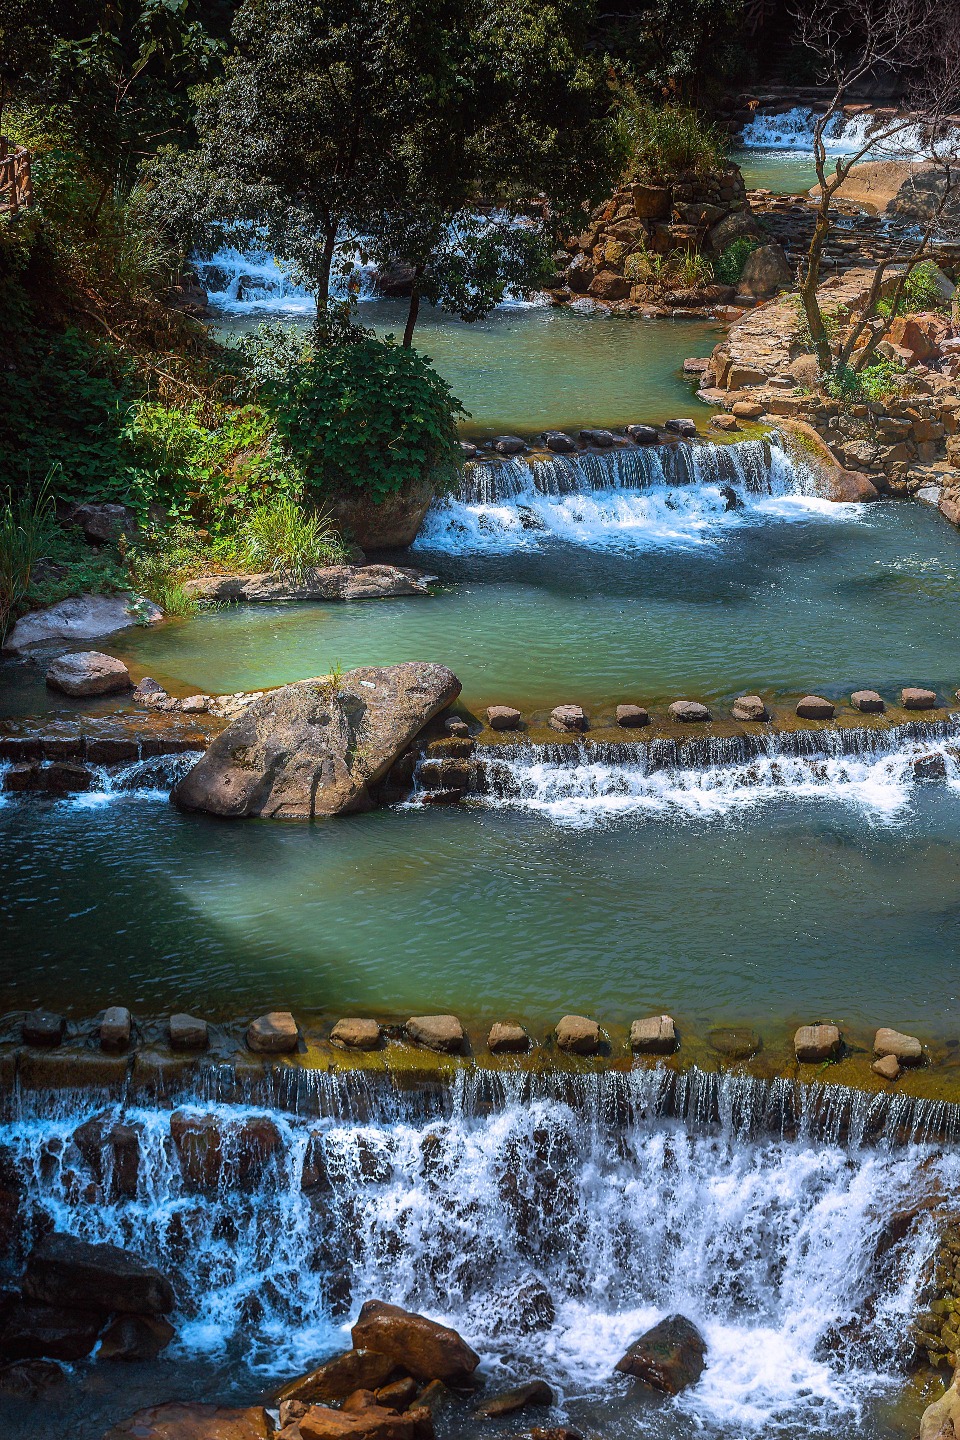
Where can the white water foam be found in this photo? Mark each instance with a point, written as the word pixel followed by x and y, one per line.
pixel 582 792
pixel 845 135
pixel 549 1237
pixel 140 780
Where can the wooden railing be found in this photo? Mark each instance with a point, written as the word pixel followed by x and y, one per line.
pixel 16 189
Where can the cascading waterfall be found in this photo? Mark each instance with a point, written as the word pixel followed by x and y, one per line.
pixel 845 134
pixel 584 783
pixel 550 1218
pixel 151 778
pixel 670 495
pixel 252 280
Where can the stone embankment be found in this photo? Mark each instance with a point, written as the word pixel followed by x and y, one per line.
pixel 333 582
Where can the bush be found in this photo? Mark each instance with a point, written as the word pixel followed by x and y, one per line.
pixel 874 382
pixel 369 416
pixel 728 267
pixel 680 270
pixel 667 139
pixel 283 536
pixel 921 291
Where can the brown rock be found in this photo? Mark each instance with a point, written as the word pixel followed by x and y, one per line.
pixel 273 1034
pixel 609 286
pixel 534 1392
pixel 356 1034
pixel 30 1330
pixel 437 1032
pixel 578 1035
pixel 337 1378
pixel 423 1348
pixel 813 1043
pixel 750 707
pixel 668 1358
pixel 43 1028
pixel 632 716
pixel 689 712
pixel 650 202
pixel 814 707
pixel 747 409
pixel 315 748
pixel 888 1068
pixel 508 1039
pixel 115 1028
pixel 188 1033
pixel 366 1422
pixel 868 701
pixel 198 1142
pixel 135 1337
pixel 503 717
pixel 906 1048
pixel 734 1042
pixel 88 672
pixel 766 270
pixel 62 778
pixel 568 717
pixel 388 524
pixel 111 1151
pixel 62 1270
pixel 179 1421
pixel 399 1395
pixel 739 376
pixel 724 422
pixel 656 1035
pixel 912 698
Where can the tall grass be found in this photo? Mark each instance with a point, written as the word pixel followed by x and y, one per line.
pixel 667 139
pixel 26 528
pixel 282 536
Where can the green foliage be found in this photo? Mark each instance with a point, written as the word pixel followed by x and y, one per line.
pixel 369 416
pixel 26 525
pixel 728 266
pixel 667 139
pixel 921 291
pixel 678 270
pixel 282 536
pixel 879 381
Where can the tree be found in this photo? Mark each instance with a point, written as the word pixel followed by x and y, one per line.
pixel 917 42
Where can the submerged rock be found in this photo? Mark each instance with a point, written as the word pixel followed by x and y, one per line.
pixel 578 1035
pixel 437 1032
pixel 317 747
pixel 179 1421
pixel 88 672
pixel 735 1042
pixel 534 1392
pixel 331 582
pixel 668 1358
pixel 425 1349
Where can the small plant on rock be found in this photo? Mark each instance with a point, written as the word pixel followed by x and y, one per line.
pixel 283 537
pixel 728 266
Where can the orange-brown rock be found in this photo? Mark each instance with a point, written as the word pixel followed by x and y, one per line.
pixel 339 1377
pixel 193 1422
pixel 425 1349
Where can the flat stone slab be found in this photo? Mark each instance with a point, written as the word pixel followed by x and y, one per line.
pixel 88 672
pixel 657 1035
pixel 689 712
pixel 815 707
pixel 329 582
pixel 273 1034
pixel 913 698
pixel 437 1032
pixel 814 1043
pixel 905 1048
pixel 868 701
pixel 356 1034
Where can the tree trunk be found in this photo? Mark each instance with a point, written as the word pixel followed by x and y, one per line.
pixel 326 263
pixel 414 309
pixel 808 291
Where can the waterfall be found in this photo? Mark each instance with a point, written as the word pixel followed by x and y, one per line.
pixel 845 134
pixel 583 783
pixel 252 280
pixel 631 496
pixel 150 778
pixel 550 1218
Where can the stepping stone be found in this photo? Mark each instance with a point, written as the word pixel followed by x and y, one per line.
pixel 578 1035
pixel 457 727
pixel 602 439
pixel 643 434
pixel 437 1032
pixel 868 701
pixel 115 1028
pixel 814 707
pixel 657 1035
pixel 568 717
pixel 506 1038
pixel 681 427
pixel 735 1042
pixel 905 1048
pixel 888 1068
pixel 273 1034
pixel 509 445
pixel 558 442
pixel 632 716
pixel 188 1033
pixel 750 707
pixel 689 711
pixel 88 672
pixel 813 1043
pixel 914 699
pixel 356 1034
pixel 503 717
pixel 42 1027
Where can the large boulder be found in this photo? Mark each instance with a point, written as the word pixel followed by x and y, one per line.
pixel 941 1420
pixel 63 1270
pixel 102 524
pixel 385 525
pixel 332 582
pixel 363 1421
pixel 833 482
pixel 179 1421
pixel 425 1349
pixel 58 1332
pixel 88 672
pixel 339 1377
pixel 317 747
pixel 82 617
pixel 766 271
pixel 668 1358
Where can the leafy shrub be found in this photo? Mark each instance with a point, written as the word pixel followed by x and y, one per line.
pixel 679 270
pixel 282 536
pixel 728 267
pixel 874 382
pixel 921 291
pixel 369 416
pixel 669 138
